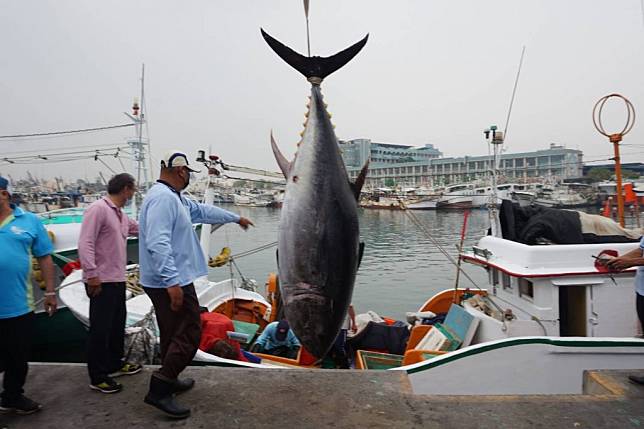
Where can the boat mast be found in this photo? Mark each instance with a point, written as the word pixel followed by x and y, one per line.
pixel 138 144
pixel 496 141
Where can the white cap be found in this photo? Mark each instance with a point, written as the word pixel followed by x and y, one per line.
pixel 176 158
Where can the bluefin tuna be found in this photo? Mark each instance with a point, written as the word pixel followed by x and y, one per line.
pixel 318 243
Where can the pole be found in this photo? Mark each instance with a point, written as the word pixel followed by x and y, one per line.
pixel 460 250
pixel 615 139
pixel 308 38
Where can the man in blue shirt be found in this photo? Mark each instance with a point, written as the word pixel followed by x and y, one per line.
pixel 22 236
pixel 634 258
pixel 170 259
pixel 277 339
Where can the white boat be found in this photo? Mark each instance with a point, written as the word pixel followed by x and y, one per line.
pixel 483 196
pixel 560 197
pixel 226 297
pixel 457 197
pixel 422 203
pixel 555 315
pixel 250 200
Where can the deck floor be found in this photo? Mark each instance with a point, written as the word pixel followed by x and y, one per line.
pixel 247 398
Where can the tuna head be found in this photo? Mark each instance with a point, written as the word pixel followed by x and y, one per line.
pixel 318 237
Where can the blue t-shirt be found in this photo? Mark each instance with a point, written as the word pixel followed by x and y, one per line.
pixel 639 277
pixel 20 238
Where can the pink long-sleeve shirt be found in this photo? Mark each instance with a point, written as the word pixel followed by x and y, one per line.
pixel 103 240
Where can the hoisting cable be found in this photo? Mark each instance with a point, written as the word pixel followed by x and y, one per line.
pixel 449 257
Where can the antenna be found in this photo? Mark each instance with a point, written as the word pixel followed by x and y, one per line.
pixel 514 91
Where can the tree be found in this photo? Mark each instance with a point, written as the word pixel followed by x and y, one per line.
pixel 630 175
pixel 389 182
pixel 599 174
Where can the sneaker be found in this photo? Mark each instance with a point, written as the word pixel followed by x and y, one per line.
pixel 128 369
pixel 107 386
pixel 20 405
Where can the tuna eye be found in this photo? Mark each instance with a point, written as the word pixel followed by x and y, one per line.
pixel 295 179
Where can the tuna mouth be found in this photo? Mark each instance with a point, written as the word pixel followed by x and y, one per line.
pixel 310 315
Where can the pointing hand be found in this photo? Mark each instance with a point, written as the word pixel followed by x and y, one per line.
pixel 245 223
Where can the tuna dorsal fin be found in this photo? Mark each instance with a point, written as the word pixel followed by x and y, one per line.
pixel 319 67
pixel 356 186
pixel 285 166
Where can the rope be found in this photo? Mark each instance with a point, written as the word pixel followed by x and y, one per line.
pixel 255 250
pixel 54 133
pixel 449 257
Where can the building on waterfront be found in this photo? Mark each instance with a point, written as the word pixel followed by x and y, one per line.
pixel 408 166
pixel 356 152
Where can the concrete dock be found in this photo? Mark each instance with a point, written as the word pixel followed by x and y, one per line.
pixel 248 398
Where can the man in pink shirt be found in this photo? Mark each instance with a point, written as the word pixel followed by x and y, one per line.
pixel 102 252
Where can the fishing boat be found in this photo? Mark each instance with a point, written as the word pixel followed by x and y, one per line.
pixel 424 199
pixel 561 197
pixel 458 196
pixel 249 310
pixel 548 314
pixel 252 200
pixel 382 198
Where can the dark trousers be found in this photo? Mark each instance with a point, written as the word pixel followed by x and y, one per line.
pixel 639 303
pixel 106 331
pixel 180 331
pixel 15 342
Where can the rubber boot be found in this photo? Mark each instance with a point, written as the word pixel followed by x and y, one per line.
pixel 181 385
pixel 161 396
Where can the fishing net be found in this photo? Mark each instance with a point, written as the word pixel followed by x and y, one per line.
pixel 141 342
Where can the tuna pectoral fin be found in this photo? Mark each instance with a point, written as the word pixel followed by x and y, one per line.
pixel 356 186
pixel 319 67
pixel 285 166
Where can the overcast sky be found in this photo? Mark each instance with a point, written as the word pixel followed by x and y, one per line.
pixel 432 72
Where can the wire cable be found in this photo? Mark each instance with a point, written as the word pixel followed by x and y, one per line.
pixel 53 133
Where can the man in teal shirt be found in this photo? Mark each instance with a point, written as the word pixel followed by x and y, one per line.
pixel 22 236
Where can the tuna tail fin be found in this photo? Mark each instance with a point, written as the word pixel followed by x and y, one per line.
pixel 285 166
pixel 356 186
pixel 310 67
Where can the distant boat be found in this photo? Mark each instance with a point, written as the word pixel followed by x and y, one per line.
pixel 561 197
pixel 458 196
pixel 250 200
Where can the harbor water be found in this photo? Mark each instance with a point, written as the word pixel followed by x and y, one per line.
pixel 401 267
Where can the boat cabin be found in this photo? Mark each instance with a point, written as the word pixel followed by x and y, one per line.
pixel 554 290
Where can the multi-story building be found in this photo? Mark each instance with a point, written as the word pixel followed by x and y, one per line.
pixel 356 152
pixel 403 165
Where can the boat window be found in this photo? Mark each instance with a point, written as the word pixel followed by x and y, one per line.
pixel 507 282
pixel 495 276
pixel 526 289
